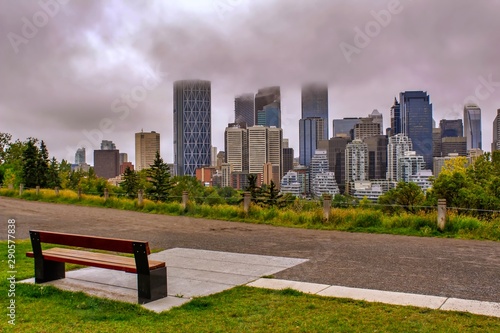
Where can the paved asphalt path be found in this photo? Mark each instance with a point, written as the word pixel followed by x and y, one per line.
pixel 432 266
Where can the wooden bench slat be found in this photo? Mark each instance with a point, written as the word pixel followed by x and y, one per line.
pixel 90 242
pixel 101 260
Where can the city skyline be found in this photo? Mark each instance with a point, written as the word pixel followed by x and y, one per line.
pixel 85 76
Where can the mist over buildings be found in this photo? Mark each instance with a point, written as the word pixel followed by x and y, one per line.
pixel 94 69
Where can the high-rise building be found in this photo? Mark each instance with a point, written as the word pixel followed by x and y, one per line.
pixel 266 96
pixel 80 156
pixel 287 159
pixel 123 158
pixel 472 126
pixel 454 145
pixel 451 128
pixel 496 133
pixel 398 145
pixel 192 126
pixel 356 164
pixel 395 118
pixel 436 142
pixel 345 127
pixel 416 122
pixel 409 165
pixel 378 118
pixel 213 155
pixel 310 133
pixel 377 156
pixel 244 109
pixel 275 152
pixel 336 158
pixel 107 163
pixel 257 149
pixel 107 145
pixel 270 115
pixel 315 104
pixel 366 128
pixel 290 183
pixel 147 144
pixel 236 147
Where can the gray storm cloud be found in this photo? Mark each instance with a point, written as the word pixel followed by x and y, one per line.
pixel 91 61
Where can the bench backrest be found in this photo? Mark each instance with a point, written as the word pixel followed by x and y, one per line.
pixel 90 242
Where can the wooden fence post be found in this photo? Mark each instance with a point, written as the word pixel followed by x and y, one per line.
pixel 441 222
pixel 327 205
pixel 246 201
pixel 185 198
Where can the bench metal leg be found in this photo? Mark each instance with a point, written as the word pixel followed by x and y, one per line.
pixel 46 270
pixel 153 286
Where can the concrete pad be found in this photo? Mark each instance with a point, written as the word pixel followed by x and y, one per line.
pixel 190 273
pixel 476 307
pixel 388 297
pixel 305 287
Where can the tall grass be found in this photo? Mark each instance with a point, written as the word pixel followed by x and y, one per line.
pixel 301 214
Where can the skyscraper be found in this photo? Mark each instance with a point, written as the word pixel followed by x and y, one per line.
pixel 270 115
pixel 451 128
pixel 244 109
pixel 378 118
pixel 236 148
pixel 345 127
pixel 377 156
pixel 398 145
pixel 257 149
pixel 395 118
pixel 192 126
pixel 416 122
pixel 107 145
pixel 146 146
pixel 356 164
pixel 107 163
pixel 310 133
pixel 266 96
pixel 496 132
pixel 366 128
pixel 315 103
pixel 80 156
pixel 275 152
pixel 472 126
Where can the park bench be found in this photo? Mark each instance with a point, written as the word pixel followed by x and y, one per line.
pixel 49 264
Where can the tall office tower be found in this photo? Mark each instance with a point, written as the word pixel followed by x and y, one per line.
pixel 378 118
pixel 495 145
pixel 377 156
pixel 270 115
pixel 454 145
pixel 395 118
pixel 80 156
pixel 123 158
pixel 107 145
pixel 472 126
pixel 409 165
pixel 336 159
pixel 226 171
pixel 310 133
pixel 451 128
pixel 319 163
pixel 436 142
pixel 366 128
pixel 266 96
pixel 146 146
pixel 356 164
pixel 287 160
pixel 244 109
pixel 286 143
pixel 236 147
pixel 257 149
pixel 398 145
pixel 315 103
pixel 221 158
pixel 192 126
pixel 213 155
pixel 416 122
pixel 107 163
pixel 345 127
pixel 275 152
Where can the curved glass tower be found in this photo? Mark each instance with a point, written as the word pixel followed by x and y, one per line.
pixel 472 126
pixel 192 126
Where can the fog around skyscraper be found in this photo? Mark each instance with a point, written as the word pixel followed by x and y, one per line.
pixel 78 72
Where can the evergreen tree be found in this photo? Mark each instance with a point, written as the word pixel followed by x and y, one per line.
pixel 30 158
pixel 253 188
pixel 42 167
pixel 130 182
pixel 271 196
pixel 53 178
pixel 160 179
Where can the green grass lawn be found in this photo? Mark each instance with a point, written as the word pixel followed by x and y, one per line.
pixel 241 309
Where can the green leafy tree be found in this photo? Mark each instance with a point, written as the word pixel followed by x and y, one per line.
pixel 130 182
pixel 160 179
pixel 196 191
pixel 4 145
pixel 406 196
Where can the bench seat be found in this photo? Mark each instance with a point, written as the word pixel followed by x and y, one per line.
pixel 101 260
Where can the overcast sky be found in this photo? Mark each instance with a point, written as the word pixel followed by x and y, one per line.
pixel 75 72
